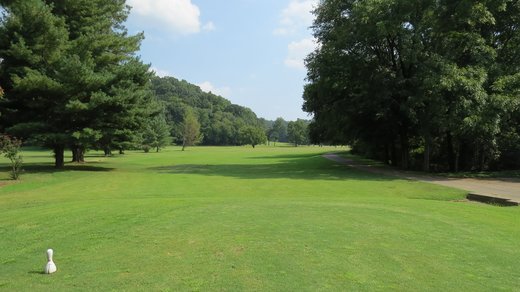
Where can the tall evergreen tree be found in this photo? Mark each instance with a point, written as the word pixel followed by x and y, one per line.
pixel 33 42
pixel 110 93
pixel 88 89
pixel 156 134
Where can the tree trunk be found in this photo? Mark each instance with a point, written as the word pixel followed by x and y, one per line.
pixel 107 151
pixel 427 151
pixel 157 149
pixel 253 145
pixel 183 144
pixel 59 160
pixel 394 154
pixel 405 152
pixel 451 152
pixel 74 154
pixel 121 151
pixel 481 157
pixel 457 158
pixel 387 154
pixel 78 154
pixel 82 155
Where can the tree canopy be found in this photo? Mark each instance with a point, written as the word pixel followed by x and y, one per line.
pixel 278 131
pixel 220 120
pixel 418 83
pixel 252 136
pixel 297 132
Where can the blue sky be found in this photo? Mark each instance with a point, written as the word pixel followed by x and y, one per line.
pixel 249 51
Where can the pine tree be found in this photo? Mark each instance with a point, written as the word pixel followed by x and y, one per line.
pixel 156 134
pixel 33 42
pixel 110 93
pixel 72 78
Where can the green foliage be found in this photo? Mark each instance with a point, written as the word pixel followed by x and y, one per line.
pixel 298 133
pixel 252 136
pixel 32 43
pixel 403 79
pixel 220 120
pixel 156 134
pixel 71 75
pixel 190 130
pixel 278 131
pixel 10 147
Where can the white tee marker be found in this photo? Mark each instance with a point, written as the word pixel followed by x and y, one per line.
pixel 50 267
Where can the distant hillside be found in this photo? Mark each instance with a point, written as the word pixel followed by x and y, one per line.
pixel 220 119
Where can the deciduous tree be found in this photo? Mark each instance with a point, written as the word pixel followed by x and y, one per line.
pixel 190 130
pixel 278 131
pixel 297 132
pixel 401 79
pixel 252 135
pixel 10 147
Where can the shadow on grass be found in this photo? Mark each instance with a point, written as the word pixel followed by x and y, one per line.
pixel 50 157
pixel 303 167
pixel 511 176
pixel 29 168
pixel 287 156
pixel 36 272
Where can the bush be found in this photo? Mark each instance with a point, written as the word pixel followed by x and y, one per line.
pixel 10 147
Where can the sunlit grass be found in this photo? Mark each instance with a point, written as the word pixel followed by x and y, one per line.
pixel 238 218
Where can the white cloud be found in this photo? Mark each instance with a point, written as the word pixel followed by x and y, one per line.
pixel 179 16
pixel 296 16
pixel 208 87
pixel 160 72
pixel 210 26
pixel 298 51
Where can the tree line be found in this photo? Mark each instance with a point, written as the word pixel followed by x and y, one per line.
pixel 71 80
pixel 431 84
pixel 220 121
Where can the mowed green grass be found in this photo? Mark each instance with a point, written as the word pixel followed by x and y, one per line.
pixel 244 219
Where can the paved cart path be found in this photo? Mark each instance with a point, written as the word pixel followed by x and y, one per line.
pixel 503 188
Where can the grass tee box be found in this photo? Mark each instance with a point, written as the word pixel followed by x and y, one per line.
pixel 238 218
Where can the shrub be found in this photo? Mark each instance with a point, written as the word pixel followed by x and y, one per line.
pixel 10 147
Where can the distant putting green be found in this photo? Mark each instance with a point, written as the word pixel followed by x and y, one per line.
pixel 238 218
